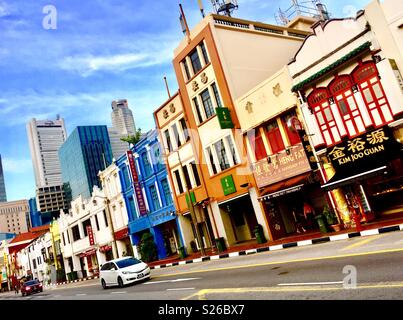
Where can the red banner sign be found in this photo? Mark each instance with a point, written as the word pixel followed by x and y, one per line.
pixel 90 235
pixel 136 184
pixel 105 248
pixel 121 234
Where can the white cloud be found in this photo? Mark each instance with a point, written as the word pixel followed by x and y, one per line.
pixel 4 9
pixel 13 165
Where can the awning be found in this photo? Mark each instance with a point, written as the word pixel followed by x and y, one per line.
pixel 88 253
pixel 338 181
pixel 286 186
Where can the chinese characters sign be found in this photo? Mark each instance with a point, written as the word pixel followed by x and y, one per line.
pixel 136 185
pixel 228 185
pixel 308 149
pixel 224 118
pixel 364 152
pixel 90 235
pixel 282 166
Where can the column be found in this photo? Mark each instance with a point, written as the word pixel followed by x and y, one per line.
pixel 222 223
pixel 260 215
pixel 159 241
pixel 186 231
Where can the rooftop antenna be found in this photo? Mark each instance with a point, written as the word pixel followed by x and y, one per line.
pixel 201 8
pixel 166 85
pixel 225 7
pixel 310 8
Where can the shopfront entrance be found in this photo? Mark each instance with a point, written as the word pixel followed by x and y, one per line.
pixel 240 216
pixel 293 212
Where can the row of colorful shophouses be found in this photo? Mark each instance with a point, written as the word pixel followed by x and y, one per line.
pixel 270 126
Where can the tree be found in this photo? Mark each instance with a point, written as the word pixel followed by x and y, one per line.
pixel 133 139
pixel 148 249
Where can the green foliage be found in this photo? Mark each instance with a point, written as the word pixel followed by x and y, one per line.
pixel 133 139
pixel 330 215
pixel 147 247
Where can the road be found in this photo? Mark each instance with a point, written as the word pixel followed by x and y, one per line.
pixel 311 272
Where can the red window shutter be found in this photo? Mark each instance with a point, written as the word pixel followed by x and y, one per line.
pixel 257 145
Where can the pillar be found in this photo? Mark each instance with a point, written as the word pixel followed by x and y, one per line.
pixel 185 231
pixel 260 215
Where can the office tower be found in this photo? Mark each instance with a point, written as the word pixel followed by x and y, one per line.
pixel 3 195
pixel 86 152
pixel 122 118
pixel 118 146
pixel 45 138
pixel 14 216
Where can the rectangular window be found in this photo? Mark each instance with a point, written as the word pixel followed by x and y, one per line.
pixel 146 163
pixel 168 140
pixel 68 236
pixel 106 219
pixel 216 95
pixel 154 197
pixel 187 178
pixel 211 159
pixel 34 263
pixel 204 51
pixel 178 181
pixel 194 58
pixel 222 155
pixel 184 129
pixel 76 233
pixel 207 104
pixel 292 134
pixel 274 137
pixel 186 67
pixel 257 145
pixel 176 135
pixel 195 173
pixel 167 191
pixel 86 223
pixel 198 112
pixel 96 222
pixel 232 149
pixel 64 240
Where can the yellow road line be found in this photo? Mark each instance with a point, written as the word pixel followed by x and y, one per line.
pixel 360 243
pixel 202 293
pixel 281 262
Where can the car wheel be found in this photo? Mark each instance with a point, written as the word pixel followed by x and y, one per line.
pixel 103 283
pixel 120 282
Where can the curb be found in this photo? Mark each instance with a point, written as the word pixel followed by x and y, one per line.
pixel 73 281
pixel 302 243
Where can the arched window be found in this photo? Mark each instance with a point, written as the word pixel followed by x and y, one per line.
pixel 367 79
pixel 341 90
pixel 318 101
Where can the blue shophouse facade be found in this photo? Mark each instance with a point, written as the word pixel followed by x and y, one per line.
pixel 160 220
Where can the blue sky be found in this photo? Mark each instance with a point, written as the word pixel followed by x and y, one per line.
pixel 101 50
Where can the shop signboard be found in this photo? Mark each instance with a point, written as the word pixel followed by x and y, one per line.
pixel 90 235
pixel 224 118
pixel 121 234
pixel 136 185
pixel 228 185
pixel 368 151
pixel 308 149
pixel 281 166
pixel 192 197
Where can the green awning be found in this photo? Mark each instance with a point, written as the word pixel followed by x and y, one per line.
pixel 332 66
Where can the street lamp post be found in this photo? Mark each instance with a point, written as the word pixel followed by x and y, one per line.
pixel 108 212
pixel 192 211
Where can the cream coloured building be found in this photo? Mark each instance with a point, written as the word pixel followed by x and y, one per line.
pixel 14 216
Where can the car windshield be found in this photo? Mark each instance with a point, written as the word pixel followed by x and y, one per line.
pixel 127 262
pixel 30 283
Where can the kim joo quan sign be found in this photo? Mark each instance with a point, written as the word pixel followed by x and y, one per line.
pixel 136 185
pixel 367 151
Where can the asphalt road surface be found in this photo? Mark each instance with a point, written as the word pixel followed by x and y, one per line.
pixel 312 272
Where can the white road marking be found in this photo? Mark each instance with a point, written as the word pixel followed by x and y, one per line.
pixel 81 294
pixel 178 289
pixel 118 292
pixel 309 283
pixel 171 281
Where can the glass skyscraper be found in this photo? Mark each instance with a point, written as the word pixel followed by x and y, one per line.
pixel 86 152
pixel 3 196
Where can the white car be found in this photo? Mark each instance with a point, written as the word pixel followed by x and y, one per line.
pixel 123 271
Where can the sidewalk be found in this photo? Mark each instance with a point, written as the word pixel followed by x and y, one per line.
pixel 305 239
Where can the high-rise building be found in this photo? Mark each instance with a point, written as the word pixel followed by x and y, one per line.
pixel 14 216
pixel 118 146
pixel 86 152
pixel 122 117
pixel 45 138
pixel 3 195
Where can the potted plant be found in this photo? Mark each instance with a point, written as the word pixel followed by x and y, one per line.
pixel 331 219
